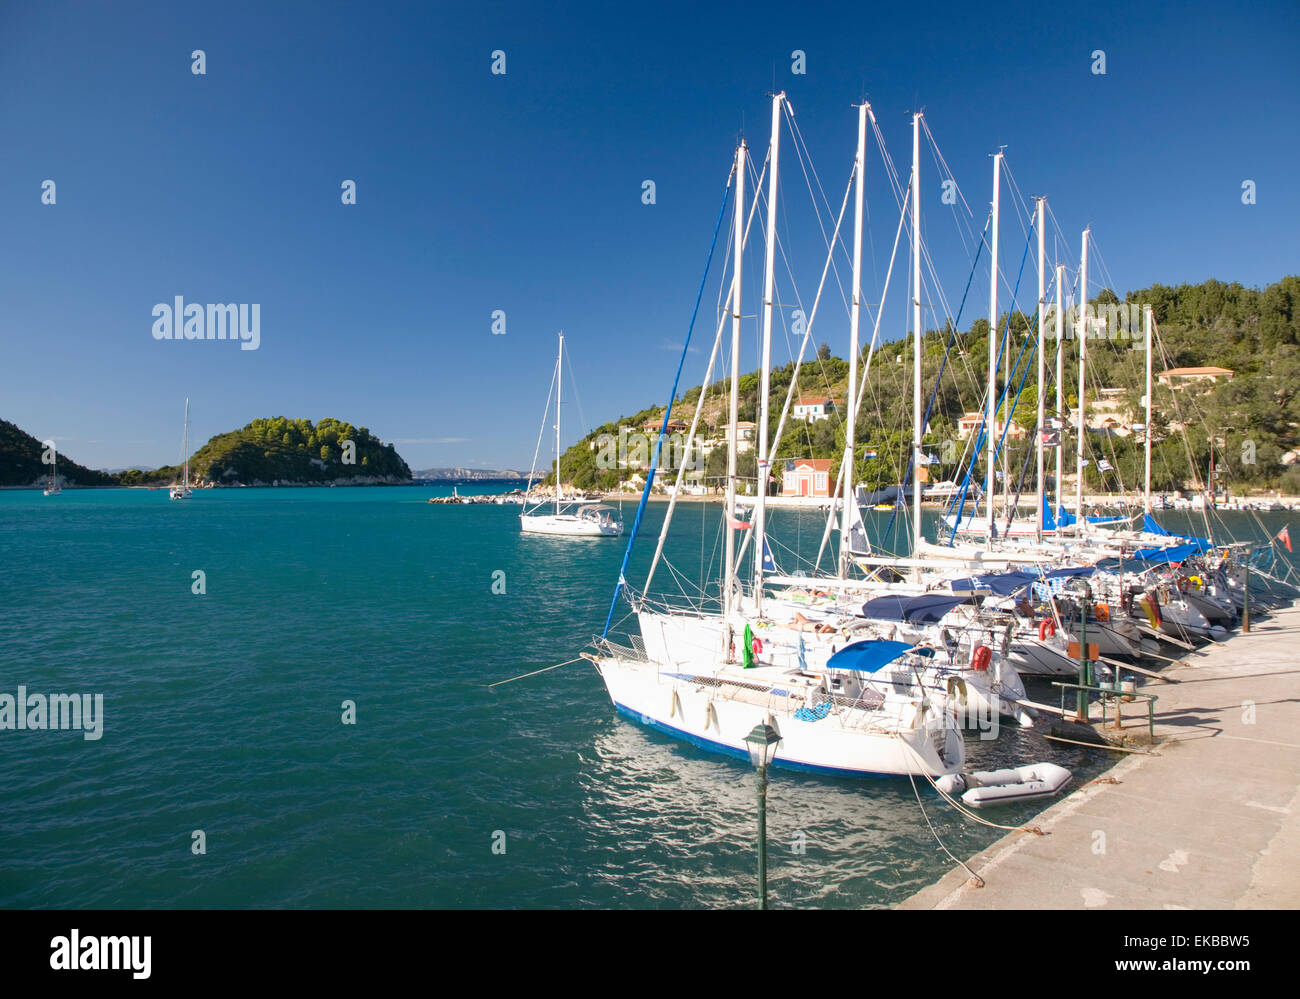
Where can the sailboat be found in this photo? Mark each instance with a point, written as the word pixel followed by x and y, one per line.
pixel 54 488
pixel 709 676
pixel 575 517
pixel 183 491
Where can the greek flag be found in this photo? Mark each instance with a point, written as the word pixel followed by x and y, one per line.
pixel 1045 589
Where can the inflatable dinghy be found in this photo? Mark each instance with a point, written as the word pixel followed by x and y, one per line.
pixel 997 787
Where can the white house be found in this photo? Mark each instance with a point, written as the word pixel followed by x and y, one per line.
pixel 810 409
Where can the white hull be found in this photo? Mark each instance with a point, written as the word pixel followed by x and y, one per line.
pixel 717 709
pixel 180 492
pixel 567 525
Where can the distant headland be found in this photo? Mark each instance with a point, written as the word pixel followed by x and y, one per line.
pixel 267 452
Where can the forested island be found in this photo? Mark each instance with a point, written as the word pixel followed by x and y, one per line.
pixel 1250 410
pixel 274 451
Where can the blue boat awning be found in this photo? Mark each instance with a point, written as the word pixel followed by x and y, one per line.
pixel 925 608
pixel 870 655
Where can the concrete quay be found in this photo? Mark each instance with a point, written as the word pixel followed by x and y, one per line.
pixel 1210 821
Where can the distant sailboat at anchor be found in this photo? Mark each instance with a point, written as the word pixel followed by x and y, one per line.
pixel 183 491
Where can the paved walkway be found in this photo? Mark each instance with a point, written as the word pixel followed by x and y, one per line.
pixel 1210 822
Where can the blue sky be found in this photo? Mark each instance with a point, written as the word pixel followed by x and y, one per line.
pixel 522 191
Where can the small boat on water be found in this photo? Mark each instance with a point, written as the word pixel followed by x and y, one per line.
pixel 1001 787
pixel 573 517
pixel 54 489
pixel 182 490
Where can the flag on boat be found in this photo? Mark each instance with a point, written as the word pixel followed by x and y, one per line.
pixel 748 654
pixel 869 453
pixel 1104 465
pixel 740 525
pixel 1284 536
pixel 1056 423
pixel 1086 461
pixel 928 459
pixel 769 564
pixel 1050 438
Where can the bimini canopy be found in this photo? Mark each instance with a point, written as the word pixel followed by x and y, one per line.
pixel 925 608
pixel 870 655
pixel 1000 584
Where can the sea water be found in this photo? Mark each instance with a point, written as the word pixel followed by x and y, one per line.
pixel 312 725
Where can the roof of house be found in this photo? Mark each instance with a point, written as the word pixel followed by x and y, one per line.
pixel 816 464
pixel 1196 371
pixel 813 400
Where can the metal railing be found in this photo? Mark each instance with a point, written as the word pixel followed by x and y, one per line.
pixel 1119 695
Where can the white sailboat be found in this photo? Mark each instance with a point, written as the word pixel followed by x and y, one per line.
pixel 575 517
pixel 840 707
pixel 183 491
pixel 54 488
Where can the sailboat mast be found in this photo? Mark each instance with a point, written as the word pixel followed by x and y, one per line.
pixel 1042 303
pixel 855 313
pixel 1083 369
pixel 1147 323
pixel 918 431
pixel 729 576
pixel 769 265
pixel 186 481
pixel 990 416
pixel 559 391
pixel 1060 387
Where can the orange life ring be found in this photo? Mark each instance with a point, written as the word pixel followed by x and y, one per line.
pixel 981 658
pixel 1046 629
pixel 1103 612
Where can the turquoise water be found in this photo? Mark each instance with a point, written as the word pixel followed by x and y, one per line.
pixel 223 714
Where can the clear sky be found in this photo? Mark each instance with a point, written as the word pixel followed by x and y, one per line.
pixel 522 191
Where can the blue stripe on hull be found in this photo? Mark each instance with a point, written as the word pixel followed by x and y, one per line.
pixel 741 754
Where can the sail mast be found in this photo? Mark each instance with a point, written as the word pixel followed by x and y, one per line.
pixel 729 575
pixel 918 431
pixel 1147 322
pixel 990 415
pixel 855 313
pixel 1042 302
pixel 760 504
pixel 559 391
pixel 1083 368
pixel 1060 389
pixel 186 481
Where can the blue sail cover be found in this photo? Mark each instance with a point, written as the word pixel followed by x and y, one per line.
pixel 924 608
pixel 870 655
pixel 1001 584
pixel 1070 570
pixel 1061 517
pixel 1151 527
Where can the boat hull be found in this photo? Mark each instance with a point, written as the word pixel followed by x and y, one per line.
pixel 909 741
pixel 566 525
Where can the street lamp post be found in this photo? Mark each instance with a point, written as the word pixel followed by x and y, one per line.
pixel 762 743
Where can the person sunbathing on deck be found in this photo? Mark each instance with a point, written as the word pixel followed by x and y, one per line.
pixel 801 623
